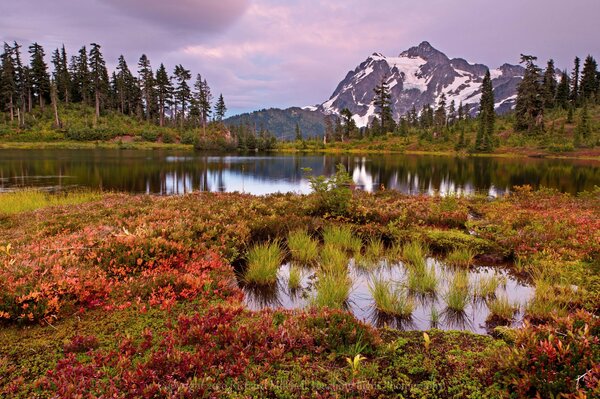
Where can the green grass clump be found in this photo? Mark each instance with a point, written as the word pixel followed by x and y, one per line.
pixel 423 281
pixel 374 249
pixel 414 254
pixel 303 247
pixel 462 257
pixel 333 260
pixel 342 238
pixel 263 263
pixel 390 301
pixel 30 200
pixel 486 287
pixel 549 301
pixel 295 278
pixel 457 296
pixel 501 310
pixel 332 290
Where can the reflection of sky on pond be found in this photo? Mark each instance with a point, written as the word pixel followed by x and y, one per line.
pixel 360 302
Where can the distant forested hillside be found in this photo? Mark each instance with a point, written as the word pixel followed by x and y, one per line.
pixel 283 123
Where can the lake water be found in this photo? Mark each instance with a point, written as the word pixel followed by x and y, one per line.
pixel 178 172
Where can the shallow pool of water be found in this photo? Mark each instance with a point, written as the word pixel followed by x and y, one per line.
pixel 361 303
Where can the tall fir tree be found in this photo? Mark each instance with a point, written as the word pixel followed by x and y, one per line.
pixel 575 83
pixel 589 83
pixel 220 108
pixel 529 110
pixel 382 102
pixel 182 91
pixel 562 91
pixel 163 92
pixel 549 85
pixel 349 125
pixel 298 132
pixel 98 77
pixel 440 116
pixel 62 76
pixel 8 81
pixel 487 116
pixel 146 79
pixel 40 78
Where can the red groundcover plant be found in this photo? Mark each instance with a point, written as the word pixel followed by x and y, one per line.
pixel 558 358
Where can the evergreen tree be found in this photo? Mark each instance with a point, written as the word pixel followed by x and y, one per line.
pixel 426 119
pixel 23 85
pixel 220 108
pixel 589 83
pixel 575 83
pixel 583 131
pixel 440 113
pixel 98 77
pixel 530 104
pixel 182 90
pixel 461 112
pixel 413 117
pixel 204 99
pixel 124 87
pixel 549 85
pixel 298 132
pixel 40 79
pixel 487 116
pixel 163 92
pixel 348 122
pixel 146 79
pixel 382 102
pixel 8 88
pixel 62 77
pixel 82 85
pixel 562 91
pixel 452 112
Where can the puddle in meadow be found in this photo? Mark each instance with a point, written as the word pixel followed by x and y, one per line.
pixel 361 303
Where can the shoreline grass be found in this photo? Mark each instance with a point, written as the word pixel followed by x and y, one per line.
pixel 32 199
pixel 414 253
pixel 264 261
pixel 342 238
pixel 422 282
pixel 501 310
pixel 460 257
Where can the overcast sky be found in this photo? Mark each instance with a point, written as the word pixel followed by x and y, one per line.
pixel 280 53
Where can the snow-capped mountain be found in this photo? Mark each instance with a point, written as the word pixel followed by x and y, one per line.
pixel 419 76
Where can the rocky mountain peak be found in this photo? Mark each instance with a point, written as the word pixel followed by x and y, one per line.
pixel 427 52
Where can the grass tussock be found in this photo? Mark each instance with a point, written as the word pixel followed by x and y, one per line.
pixel 374 249
pixel 390 300
pixel 460 257
pixel 414 254
pixel 333 260
pixel 549 301
pixel 332 290
pixel 342 238
pixel 458 293
pixel 295 278
pixel 423 282
pixel 486 287
pixel 30 200
pixel 303 248
pixel 501 310
pixel 263 263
